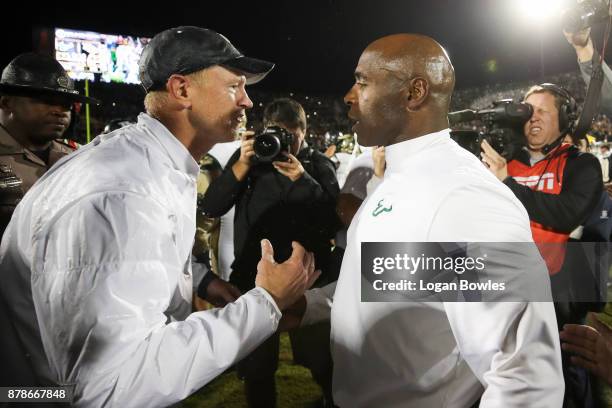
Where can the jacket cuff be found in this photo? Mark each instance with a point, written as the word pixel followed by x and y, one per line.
pixel 318 307
pixel 270 299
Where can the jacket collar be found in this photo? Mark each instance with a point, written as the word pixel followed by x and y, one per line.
pixel 178 153
pixel 398 153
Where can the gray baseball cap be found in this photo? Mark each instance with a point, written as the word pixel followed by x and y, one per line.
pixel 187 49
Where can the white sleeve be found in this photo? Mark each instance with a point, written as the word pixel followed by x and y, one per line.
pixel 318 304
pixel 110 265
pixel 513 350
pixel 512 347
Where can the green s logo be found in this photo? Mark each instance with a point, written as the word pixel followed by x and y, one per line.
pixel 380 208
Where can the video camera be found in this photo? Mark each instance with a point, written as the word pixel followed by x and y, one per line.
pixel 503 122
pixel 271 143
pixel 585 14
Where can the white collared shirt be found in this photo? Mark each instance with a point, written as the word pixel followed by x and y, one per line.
pixel 438 354
pixel 95 270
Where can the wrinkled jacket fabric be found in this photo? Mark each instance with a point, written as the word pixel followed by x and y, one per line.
pixel 95 277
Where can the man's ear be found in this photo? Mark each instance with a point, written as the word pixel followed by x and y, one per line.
pixel 5 102
pixel 178 90
pixel 416 93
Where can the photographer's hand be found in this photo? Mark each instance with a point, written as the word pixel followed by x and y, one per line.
pixel 243 165
pixel 582 43
pixel 378 156
pixel 494 161
pixel 330 151
pixel 292 169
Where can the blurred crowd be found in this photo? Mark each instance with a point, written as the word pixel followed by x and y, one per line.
pixel 326 114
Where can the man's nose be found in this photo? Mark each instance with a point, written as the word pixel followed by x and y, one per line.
pixel 349 98
pixel 245 101
pixel 60 109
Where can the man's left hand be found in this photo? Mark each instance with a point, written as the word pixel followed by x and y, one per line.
pixel 292 168
pixel 219 292
pixel 494 161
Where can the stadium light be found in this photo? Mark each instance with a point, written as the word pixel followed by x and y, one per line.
pixel 540 11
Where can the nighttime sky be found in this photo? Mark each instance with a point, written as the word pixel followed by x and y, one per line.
pixel 316 43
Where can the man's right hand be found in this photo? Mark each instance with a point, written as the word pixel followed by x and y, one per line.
pixel 288 281
pixel 582 43
pixel 242 166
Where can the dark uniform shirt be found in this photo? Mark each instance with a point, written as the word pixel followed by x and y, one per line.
pixel 269 205
pixel 19 170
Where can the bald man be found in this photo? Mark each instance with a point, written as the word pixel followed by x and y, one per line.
pixel 430 354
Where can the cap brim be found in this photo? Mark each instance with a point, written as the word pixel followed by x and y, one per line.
pixel 254 69
pixel 33 91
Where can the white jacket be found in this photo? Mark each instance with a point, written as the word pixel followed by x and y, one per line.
pixel 427 354
pixel 95 273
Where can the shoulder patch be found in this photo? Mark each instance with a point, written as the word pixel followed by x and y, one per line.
pixel 71 144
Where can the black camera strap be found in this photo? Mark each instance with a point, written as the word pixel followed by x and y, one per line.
pixel 591 102
pixel 549 147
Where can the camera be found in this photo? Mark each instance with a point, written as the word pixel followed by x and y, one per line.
pixel 503 122
pixel 585 14
pixel 271 143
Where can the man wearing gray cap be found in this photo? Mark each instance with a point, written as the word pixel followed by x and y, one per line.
pixel 95 274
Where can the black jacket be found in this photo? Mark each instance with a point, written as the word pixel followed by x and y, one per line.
pixel 580 193
pixel 269 205
pixel 579 280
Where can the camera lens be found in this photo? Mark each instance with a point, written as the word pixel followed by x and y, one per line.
pixel 271 142
pixel 266 146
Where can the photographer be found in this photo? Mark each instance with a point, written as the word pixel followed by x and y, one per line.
pixel 559 187
pixel 284 201
pixel 583 45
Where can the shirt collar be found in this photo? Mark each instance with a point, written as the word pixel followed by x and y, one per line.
pixel 180 156
pixel 398 153
pixel 8 144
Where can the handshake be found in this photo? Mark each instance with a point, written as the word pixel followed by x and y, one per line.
pixel 285 282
